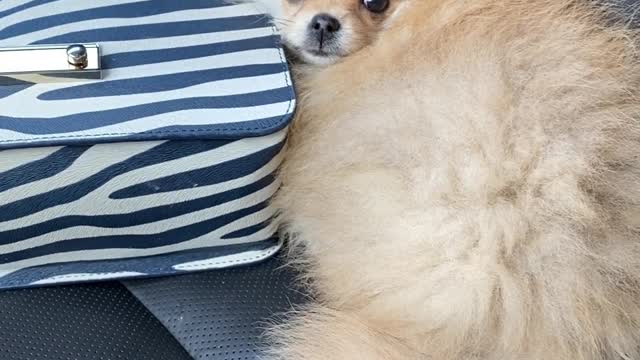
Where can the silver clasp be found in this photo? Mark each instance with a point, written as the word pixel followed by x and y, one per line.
pixel 50 63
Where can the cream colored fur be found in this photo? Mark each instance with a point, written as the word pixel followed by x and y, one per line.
pixel 467 186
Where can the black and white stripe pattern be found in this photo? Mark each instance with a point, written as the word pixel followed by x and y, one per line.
pixel 174 70
pixel 166 165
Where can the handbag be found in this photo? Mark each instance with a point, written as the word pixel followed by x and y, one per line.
pixel 143 140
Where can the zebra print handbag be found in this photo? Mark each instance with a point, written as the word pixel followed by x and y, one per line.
pixel 146 142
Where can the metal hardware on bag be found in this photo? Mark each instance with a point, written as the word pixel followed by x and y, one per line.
pixel 77 56
pixel 49 63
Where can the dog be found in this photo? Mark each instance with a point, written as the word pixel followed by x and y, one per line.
pixel 462 181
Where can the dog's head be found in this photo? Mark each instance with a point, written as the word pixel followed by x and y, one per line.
pixel 323 31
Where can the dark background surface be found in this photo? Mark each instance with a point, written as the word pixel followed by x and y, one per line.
pixel 216 315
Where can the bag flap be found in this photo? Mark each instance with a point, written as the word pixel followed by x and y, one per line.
pixel 190 69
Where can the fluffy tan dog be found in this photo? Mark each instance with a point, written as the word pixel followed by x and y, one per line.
pixel 463 181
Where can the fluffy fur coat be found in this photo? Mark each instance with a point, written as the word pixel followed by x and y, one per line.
pixel 467 186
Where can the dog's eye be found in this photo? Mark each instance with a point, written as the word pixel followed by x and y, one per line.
pixel 376 6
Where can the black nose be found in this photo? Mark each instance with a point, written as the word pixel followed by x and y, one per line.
pixel 324 23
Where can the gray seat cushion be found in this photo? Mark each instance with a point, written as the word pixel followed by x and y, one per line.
pixel 216 315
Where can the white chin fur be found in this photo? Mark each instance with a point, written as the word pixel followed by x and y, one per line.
pixel 318 60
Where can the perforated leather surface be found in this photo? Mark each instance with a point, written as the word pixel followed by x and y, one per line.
pixel 219 315
pixel 83 322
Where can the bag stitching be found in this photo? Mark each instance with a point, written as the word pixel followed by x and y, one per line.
pixel 27 281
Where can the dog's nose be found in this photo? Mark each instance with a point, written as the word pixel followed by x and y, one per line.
pixel 324 23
